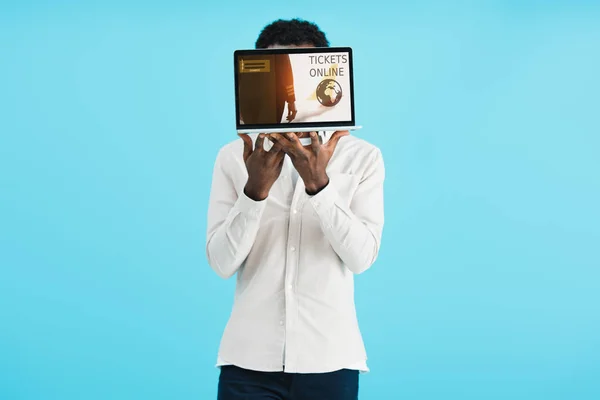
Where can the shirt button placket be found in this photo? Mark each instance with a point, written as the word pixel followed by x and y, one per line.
pixel 291 271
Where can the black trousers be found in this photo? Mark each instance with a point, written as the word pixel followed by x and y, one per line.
pixel 241 384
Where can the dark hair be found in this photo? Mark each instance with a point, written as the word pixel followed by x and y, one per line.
pixel 291 32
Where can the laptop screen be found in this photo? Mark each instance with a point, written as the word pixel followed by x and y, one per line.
pixel 303 87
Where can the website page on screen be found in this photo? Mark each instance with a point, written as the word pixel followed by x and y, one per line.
pixel 294 88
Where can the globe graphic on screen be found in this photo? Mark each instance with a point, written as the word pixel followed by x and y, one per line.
pixel 329 92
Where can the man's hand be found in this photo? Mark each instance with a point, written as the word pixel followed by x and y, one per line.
pixel 310 161
pixel 291 111
pixel 263 166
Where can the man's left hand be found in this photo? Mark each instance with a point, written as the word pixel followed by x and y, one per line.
pixel 292 111
pixel 310 161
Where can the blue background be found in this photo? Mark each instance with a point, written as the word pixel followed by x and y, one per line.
pixel 111 114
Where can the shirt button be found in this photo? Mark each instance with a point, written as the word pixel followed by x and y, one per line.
pixel 290 286
pixel 281 322
pixel 293 248
pixel 295 211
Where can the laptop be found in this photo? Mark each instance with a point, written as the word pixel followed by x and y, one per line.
pixel 294 90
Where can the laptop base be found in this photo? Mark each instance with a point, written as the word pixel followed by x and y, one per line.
pixel 301 129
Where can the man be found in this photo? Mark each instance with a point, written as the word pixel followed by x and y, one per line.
pixel 263 94
pixel 296 223
pixel 285 87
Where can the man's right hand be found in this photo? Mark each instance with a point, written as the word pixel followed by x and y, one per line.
pixel 263 166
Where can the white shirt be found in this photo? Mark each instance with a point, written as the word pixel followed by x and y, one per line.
pixel 293 173
pixel 295 257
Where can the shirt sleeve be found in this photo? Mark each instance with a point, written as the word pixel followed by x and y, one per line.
pixel 232 223
pixel 354 232
pixel 286 74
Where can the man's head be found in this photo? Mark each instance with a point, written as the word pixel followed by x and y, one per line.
pixel 291 33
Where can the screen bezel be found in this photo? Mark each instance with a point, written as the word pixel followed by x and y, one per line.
pixel 299 50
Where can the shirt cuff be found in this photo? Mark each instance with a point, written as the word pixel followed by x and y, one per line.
pixel 325 199
pixel 253 208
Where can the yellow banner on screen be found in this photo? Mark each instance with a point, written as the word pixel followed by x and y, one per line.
pixel 247 66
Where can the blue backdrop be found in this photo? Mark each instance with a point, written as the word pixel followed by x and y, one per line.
pixel 111 114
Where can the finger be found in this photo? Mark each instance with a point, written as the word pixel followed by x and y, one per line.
pixel 295 145
pixel 292 138
pixel 260 142
pixel 279 158
pixel 315 144
pixel 282 141
pixel 247 145
pixel 276 148
pixel 335 138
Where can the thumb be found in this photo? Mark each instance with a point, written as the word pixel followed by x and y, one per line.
pixel 335 138
pixel 247 145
